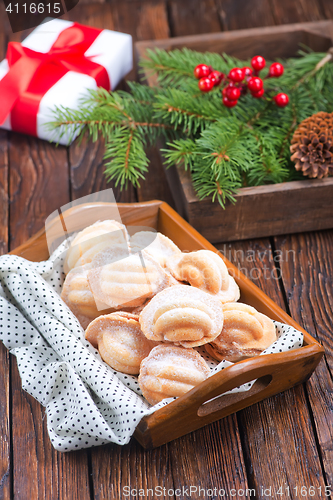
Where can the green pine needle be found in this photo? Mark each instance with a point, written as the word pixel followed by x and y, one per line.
pixel 224 149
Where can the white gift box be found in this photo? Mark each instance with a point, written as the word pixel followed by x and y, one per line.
pixel 110 49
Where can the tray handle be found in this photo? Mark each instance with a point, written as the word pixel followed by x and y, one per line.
pixel 208 402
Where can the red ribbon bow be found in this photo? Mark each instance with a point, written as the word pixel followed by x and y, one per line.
pixel 32 74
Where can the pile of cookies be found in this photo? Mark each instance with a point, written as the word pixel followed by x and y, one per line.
pixel 147 306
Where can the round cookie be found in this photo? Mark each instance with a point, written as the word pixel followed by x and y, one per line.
pixel 92 240
pixel 171 371
pixel 245 333
pixel 79 298
pixel 120 341
pixel 119 279
pixel 183 315
pixel 206 270
pixel 157 245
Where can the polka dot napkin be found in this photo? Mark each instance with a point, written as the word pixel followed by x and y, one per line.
pixel 87 402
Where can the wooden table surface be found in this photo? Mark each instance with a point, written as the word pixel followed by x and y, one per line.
pixel 275 447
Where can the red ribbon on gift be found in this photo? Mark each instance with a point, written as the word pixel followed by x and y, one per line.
pixel 32 74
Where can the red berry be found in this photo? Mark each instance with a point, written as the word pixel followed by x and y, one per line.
pixel 281 100
pixel 236 75
pixel 258 94
pixel 216 77
pixel 255 84
pixel 232 93
pixel 228 103
pixel 205 84
pixel 202 70
pixel 258 63
pixel 276 69
pixel 247 71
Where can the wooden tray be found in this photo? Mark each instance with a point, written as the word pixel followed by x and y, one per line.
pixel 275 372
pixel 265 210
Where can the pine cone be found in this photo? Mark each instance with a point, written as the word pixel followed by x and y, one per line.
pixel 312 146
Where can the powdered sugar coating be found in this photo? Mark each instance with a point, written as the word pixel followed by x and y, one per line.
pixel 206 270
pixel 183 315
pixel 245 333
pixel 119 279
pixel 120 341
pixel 78 296
pixel 157 245
pixel 171 371
pixel 92 240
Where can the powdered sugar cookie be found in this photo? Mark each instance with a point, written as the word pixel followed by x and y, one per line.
pixel 120 341
pixel 245 333
pixel 119 279
pixel 157 245
pixel 171 371
pixel 205 270
pixel 183 315
pixel 92 240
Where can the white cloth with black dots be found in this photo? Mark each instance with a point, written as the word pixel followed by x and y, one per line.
pixel 87 402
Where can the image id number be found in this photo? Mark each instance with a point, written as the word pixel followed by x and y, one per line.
pixel 34 8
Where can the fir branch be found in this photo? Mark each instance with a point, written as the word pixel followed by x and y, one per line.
pixel 223 148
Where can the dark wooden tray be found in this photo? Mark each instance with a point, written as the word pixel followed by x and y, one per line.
pixel 264 210
pixel 275 372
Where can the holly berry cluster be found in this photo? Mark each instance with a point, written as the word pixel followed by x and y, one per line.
pixel 239 81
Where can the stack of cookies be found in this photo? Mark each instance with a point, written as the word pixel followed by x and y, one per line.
pixel 147 307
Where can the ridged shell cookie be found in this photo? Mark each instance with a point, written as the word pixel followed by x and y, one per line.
pixel 78 297
pixel 183 315
pixel 245 333
pixel 171 371
pixel 205 270
pixel 157 245
pixel 120 341
pixel 92 240
pixel 121 279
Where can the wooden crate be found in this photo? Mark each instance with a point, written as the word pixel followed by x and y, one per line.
pixel 264 210
pixel 206 402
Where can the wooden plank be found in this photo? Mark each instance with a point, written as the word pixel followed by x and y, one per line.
pixel 155 186
pixel 116 470
pixel 5 451
pixel 189 18
pixel 38 185
pixel 94 14
pixel 87 172
pixel 285 422
pixel 308 286
pixel 209 458
pixel 243 14
pixel 296 12
pixel 259 211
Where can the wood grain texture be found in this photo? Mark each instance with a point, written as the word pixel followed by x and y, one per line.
pixel 5 432
pixel 243 14
pixel 191 18
pixel 116 469
pixel 97 15
pixel 285 423
pixel 210 457
pixel 3 192
pixel 293 12
pixel 155 185
pixel 38 185
pixel 87 172
pixel 309 288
